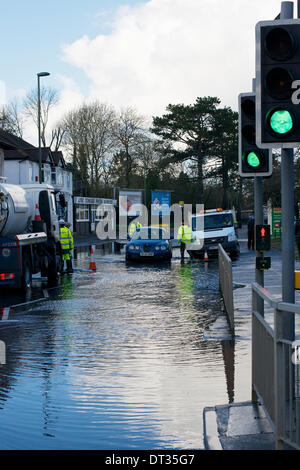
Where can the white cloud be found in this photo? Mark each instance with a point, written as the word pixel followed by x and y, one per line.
pixel 2 93
pixel 171 51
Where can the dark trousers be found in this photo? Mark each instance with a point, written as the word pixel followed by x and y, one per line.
pixel 182 249
pixel 250 240
pixel 69 266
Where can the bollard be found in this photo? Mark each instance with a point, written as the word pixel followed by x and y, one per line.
pixel 205 256
pixel 92 266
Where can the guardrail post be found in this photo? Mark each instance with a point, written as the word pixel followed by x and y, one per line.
pixel 279 380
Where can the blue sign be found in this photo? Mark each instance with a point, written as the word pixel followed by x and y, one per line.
pixel 161 202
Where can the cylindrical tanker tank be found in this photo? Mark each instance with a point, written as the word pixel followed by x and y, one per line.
pixel 16 210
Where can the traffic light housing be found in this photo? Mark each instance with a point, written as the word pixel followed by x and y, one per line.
pixel 262 263
pixel 277 72
pixel 262 238
pixel 253 161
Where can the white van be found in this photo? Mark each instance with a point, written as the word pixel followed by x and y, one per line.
pixel 217 227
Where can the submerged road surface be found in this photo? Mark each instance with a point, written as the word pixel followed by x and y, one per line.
pixel 115 359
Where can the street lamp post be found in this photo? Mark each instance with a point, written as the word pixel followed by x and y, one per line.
pixel 41 74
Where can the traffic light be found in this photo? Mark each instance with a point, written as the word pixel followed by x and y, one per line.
pixel 262 238
pixel 252 160
pixel 277 72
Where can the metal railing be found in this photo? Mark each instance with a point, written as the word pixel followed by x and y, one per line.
pixel 225 279
pixel 275 370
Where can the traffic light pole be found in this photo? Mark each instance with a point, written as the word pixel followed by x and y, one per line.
pixel 259 220
pixel 287 206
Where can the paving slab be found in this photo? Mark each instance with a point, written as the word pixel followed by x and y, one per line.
pixel 237 426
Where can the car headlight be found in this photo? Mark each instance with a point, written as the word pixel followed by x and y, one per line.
pixel 131 247
pixel 157 248
pixel 231 237
pixel 163 247
pixel 137 247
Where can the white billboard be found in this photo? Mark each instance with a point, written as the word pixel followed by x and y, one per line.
pixel 128 201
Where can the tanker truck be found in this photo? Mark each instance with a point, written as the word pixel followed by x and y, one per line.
pixel 29 234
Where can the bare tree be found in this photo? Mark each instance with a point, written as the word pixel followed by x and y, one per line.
pixel 11 119
pixel 49 98
pixel 88 139
pixel 128 133
pixel 57 136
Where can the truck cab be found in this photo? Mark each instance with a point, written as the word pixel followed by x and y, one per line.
pixel 211 228
pixel 29 234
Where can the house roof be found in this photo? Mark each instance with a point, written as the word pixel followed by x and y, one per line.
pixel 31 154
pixel 58 158
pixel 10 141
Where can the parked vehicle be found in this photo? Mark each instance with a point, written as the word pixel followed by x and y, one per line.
pixel 149 243
pixel 210 229
pixel 29 234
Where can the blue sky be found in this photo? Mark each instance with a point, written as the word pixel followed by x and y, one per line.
pixel 35 31
pixel 139 53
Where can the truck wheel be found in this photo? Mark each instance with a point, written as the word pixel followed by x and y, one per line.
pixel 27 273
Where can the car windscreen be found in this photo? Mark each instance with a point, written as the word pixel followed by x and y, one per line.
pixel 215 221
pixel 150 234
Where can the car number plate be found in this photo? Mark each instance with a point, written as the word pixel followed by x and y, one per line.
pixel 146 254
pixel 213 247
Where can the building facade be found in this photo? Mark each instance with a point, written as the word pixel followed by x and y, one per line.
pixel 87 214
pixel 21 166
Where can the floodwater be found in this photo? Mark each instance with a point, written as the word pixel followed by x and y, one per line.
pixel 116 359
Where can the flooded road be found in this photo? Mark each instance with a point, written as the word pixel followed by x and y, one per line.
pixel 116 359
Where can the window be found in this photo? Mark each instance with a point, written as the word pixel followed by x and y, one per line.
pixel 30 172
pixel 82 213
pixel 68 179
pixel 53 203
pixel 53 175
pixel 46 174
pixel 60 177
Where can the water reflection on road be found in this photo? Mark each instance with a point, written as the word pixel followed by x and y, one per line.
pixel 115 359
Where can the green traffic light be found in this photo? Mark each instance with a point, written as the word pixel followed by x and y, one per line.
pixel 281 121
pixel 253 160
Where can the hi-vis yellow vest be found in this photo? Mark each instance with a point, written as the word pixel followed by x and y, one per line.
pixel 66 240
pixel 185 234
pixel 133 227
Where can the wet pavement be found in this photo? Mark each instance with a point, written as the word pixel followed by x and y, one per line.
pixel 117 358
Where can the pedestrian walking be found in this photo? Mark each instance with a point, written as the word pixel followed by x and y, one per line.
pixel 67 245
pixel 251 233
pixel 184 236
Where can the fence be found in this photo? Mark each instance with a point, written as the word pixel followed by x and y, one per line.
pixel 275 370
pixel 225 277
